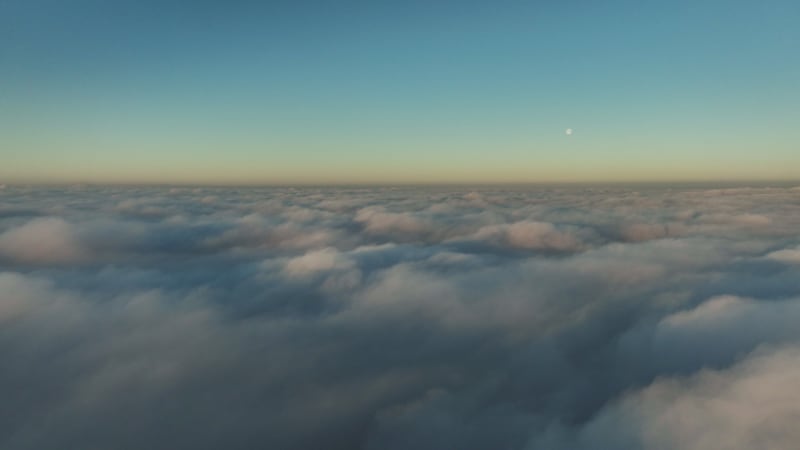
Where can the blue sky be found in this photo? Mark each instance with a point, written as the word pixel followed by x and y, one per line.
pixel 317 92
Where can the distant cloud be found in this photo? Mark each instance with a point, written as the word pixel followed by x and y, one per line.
pixel 400 225
pixel 529 235
pixel 789 255
pixel 316 261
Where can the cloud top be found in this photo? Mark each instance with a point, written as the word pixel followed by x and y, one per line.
pixel 395 318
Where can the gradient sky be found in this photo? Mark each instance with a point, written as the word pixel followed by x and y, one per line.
pixel 242 91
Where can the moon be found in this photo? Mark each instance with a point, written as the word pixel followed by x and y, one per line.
pixel 568 132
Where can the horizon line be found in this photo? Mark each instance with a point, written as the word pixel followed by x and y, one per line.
pixel 182 184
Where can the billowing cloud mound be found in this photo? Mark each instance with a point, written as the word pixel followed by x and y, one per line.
pixel 531 319
pixel 45 240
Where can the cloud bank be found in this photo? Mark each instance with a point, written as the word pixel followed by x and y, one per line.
pixel 396 318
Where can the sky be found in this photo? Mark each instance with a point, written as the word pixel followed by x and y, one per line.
pixel 312 92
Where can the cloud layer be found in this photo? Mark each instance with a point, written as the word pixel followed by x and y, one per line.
pixel 395 318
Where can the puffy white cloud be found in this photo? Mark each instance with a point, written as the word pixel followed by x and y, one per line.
pixel 44 240
pixel 404 225
pixel 529 235
pixel 754 404
pixel 324 260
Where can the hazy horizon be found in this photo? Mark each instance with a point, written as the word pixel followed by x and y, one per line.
pixel 676 184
